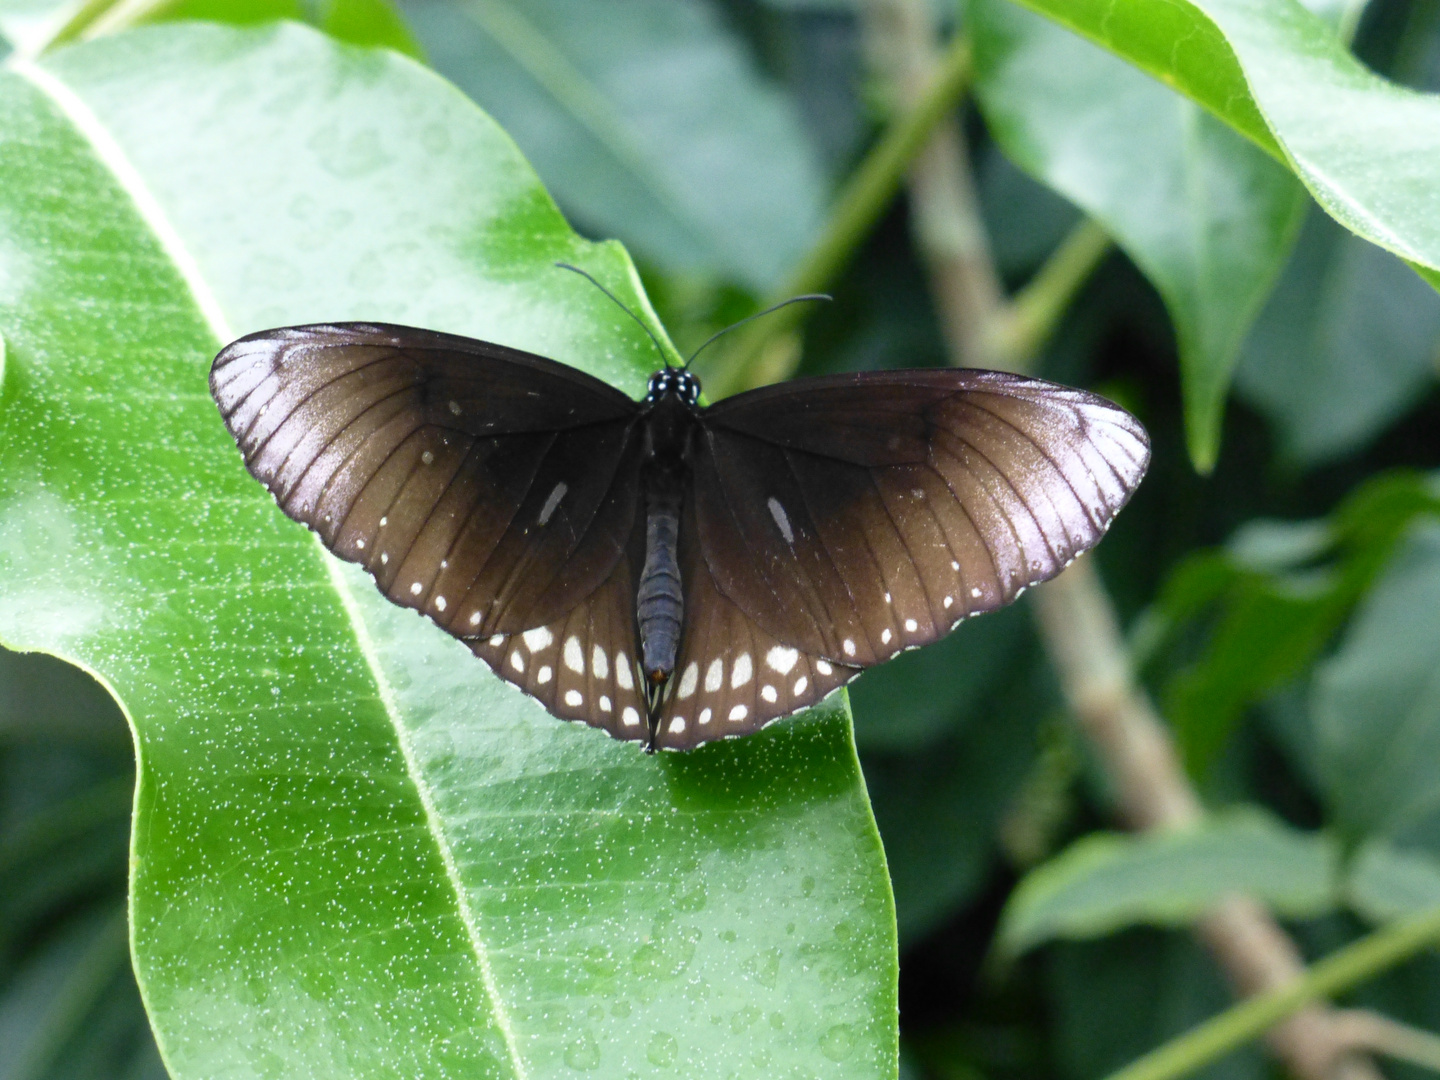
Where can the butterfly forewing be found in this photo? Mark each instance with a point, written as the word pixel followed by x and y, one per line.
pixel 492 489
pixel 944 494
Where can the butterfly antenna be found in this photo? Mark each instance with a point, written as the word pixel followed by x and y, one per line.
pixel 748 318
pixel 620 304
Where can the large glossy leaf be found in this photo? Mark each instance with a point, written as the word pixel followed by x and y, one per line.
pixel 1376 703
pixel 647 120
pixel 1107 881
pixel 356 853
pixel 1346 344
pixel 1206 215
pixel 1368 150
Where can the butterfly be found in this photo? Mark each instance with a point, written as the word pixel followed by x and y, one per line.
pixel 670 572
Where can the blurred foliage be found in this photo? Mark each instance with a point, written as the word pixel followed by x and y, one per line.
pixel 1283 609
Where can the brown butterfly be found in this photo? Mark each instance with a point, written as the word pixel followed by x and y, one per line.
pixel 669 572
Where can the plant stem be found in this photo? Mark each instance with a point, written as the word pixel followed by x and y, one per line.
pixel 1018 333
pixel 1384 1036
pixel 1252 1017
pixel 864 198
pixel 96 18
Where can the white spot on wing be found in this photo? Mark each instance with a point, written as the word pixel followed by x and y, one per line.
pixel 455 407
pixel 741 672
pixel 714 675
pixel 911 626
pixel 630 716
pixel 975 592
pixel 677 725
pixel 517 661
pixel 781 659
pixel 384 557
pixel 823 667
pixel 599 662
pixel 739 712
pixel 623 678
pixel 800 684
pixel 543 675
pixel 689 681
pixel 781 519
pixel 848 646
pixel 415 588
pixel 574 657
pixel 552 501
pixel 496 640
pixel 605 705
pixel 769 694
pixel 954 565
pixel 439 603
pixel 885 636
pixel 360 544
pixel 427 458
pixel 948 601
pixel 539 638
pixel 705 715
pixel 574 698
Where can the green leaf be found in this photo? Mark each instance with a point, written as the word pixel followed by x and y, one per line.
pixel 1106 881
pixel 1268 604
pixel 1376 703
pixel 1207 216
pixel 1346 344
pixel 1271 629
pixel 369 22
pixel 648 122
pixel 1367 149
pixel 32 25
pixel 1386 882
pixel 355 852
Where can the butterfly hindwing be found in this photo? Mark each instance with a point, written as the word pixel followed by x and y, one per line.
pixel 489 488
pixel 582 665
pixel 731 676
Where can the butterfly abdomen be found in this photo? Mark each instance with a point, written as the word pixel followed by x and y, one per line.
pixel 659 603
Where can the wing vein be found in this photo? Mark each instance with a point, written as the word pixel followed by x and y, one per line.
pixel 979 532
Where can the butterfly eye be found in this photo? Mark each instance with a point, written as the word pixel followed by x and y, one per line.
pixel 689 387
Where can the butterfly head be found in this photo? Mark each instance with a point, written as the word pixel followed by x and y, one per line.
pixel 676 381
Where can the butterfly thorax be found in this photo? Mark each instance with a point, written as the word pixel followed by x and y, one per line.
pixel 669 416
